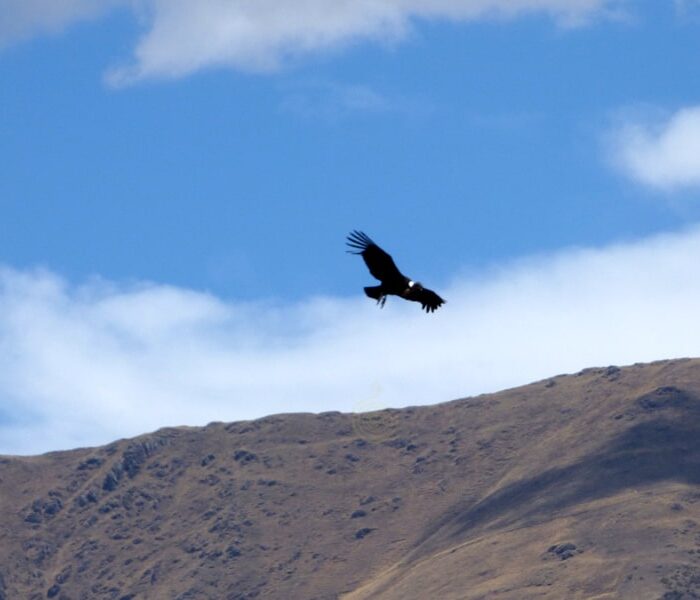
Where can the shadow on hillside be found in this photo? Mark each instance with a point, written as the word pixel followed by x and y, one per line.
pixel 665 446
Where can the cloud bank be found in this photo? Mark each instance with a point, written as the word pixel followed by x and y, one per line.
pixel 85 364
pixel 661 152
pixel 182 36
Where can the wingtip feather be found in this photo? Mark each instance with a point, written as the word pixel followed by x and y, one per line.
pixel 358 240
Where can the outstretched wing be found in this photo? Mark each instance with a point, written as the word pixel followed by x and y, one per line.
pixel 380 264
pixel 428 299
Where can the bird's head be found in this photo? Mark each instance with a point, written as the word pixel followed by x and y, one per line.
pixel 415 285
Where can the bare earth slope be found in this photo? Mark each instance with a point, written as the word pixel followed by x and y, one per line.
pixel 582 486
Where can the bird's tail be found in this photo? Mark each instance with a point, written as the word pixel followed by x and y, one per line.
pixel 375 292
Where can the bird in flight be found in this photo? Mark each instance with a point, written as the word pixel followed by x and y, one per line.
pixel 383 268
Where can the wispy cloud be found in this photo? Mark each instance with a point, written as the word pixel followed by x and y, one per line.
pixel 688 9
pixel 333 101
pixel 88 363
pixel 182 36
pixel 661 151
pixel 20 19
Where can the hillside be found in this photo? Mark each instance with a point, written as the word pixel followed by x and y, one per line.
pixel 580 486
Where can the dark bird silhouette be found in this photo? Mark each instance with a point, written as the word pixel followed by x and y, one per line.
pixel 383 268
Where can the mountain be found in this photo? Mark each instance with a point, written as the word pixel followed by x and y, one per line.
pixel 579 486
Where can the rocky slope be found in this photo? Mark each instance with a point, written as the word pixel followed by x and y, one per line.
pixel 580 486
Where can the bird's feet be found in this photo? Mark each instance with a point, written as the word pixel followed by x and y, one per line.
pixel 381 300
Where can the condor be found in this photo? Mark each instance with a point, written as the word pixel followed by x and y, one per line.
pixel 393 282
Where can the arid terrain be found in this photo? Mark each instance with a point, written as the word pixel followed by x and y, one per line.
pixel 579 486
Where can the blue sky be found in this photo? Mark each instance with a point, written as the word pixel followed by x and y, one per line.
pixel 199 164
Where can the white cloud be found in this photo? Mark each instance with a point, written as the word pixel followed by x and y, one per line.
pixel 182 36
pixel 90 363
pixel 662 151
pixel 259 36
